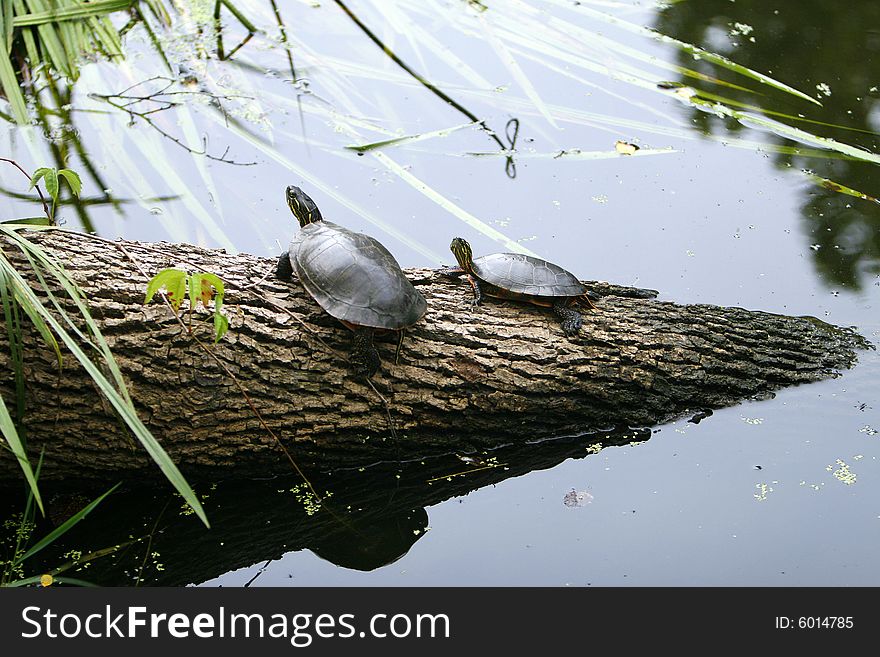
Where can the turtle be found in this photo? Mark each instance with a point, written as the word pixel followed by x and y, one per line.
pixel 523 278
pixel 352 276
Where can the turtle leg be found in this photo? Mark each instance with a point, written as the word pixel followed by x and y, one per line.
pixel 284 270
pixel 571 318
pixel 451 272
pixel 478 293
pixel 400 334
pixel 364 358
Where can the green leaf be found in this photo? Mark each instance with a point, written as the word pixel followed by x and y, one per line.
pixel 38 174
pixel 174 282
pixel 202 288
pixel 221 325
pixel 63 528
pixel 30 221
pixel 73 180
pixel 194 285
pixel 50 177
pixel 73 338
pixel 7 428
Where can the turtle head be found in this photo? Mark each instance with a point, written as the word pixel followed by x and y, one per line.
pixel 463 254
pixel 303 207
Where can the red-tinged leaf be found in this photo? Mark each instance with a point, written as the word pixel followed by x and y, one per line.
pixel 174 282
pixel 207 292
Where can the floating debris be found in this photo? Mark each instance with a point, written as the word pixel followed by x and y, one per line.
pixel 763 490
pixel 577 498
pixel 625 148
pixel 843 473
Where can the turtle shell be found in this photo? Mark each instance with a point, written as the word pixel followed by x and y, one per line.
pixel 354 278
pixel 527 275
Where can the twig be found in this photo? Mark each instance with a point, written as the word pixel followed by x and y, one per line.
pixel 150 543
pixel 511 167
pixel 126 102
pixel 39 191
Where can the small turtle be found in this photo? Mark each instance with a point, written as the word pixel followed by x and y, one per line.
pixel 352 277
pixel 523 278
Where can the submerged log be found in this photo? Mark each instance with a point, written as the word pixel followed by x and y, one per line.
pixel 465 379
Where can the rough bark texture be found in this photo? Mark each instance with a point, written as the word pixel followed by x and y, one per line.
pixel 466 378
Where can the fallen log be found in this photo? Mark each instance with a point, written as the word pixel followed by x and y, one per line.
pixel 466 379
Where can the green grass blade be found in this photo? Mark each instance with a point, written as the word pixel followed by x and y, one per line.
pixel 48 15
pixel 27 34
pixel 511 64
pixel 6 28
pixel 51 45
pixel 6 270
pixel 118 398
pixel 7 428
pixel 711 57
pixel 756 121
pixel 574 154
pixel 11 88
pixel 449 206
pixel 193 141
pixel 329 190
pixel 63 528
pixel 730 102
pixel 12 319
pixel 30 581
pixel 30 221
pixel 841 189
pixel 40 260
pixel 408 139
pixel 159 12
pixel 417 34
pixel 106 37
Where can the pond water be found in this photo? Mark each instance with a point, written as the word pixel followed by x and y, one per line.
pixel 726 210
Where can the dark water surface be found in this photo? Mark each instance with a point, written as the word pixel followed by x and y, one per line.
pixel 780 492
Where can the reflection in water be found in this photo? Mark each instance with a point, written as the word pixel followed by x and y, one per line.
pixel 812 46
pixel 372 517
pixel 53 110
pixel 376 542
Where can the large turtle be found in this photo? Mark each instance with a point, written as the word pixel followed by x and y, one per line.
pixel 352 277
pixel 523 278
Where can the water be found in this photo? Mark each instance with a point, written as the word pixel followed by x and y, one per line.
pixel 780 492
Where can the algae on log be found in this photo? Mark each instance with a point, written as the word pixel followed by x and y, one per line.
pixel 466 378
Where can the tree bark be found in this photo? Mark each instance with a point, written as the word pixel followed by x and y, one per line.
pixel 466 378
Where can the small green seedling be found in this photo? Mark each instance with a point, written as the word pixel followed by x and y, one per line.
pixel 49 175
pixel 201 286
